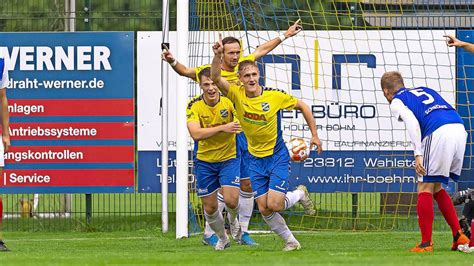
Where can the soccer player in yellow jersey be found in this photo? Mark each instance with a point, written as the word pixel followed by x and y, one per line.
pixel 229 64
pixel 232 55
pixel 212 125
pixel 258 110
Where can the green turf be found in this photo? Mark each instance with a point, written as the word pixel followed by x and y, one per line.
pixel 152 247
pixel 115 212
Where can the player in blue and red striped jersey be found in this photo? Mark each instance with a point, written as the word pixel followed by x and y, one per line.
pixel 5 143
pixel 439 139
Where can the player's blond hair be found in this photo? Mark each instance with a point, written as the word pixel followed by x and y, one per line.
pixel 244 64
pixel 392 81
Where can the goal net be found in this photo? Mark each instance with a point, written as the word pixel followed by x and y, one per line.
pixel 364 180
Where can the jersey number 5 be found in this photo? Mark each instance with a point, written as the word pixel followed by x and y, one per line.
pixel 421 92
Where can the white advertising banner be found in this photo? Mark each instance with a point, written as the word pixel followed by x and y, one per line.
pixel 337 73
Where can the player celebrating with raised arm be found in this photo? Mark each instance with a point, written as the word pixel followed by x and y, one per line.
pixel 5 144
pixel 439 139
pixel 232 55
pixel 211 124
pixel 229 64
pixel 258 110
pixel 453 41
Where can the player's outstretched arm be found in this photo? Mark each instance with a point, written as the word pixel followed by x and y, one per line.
pixel 216 76
pixel 267 47
pixel 179 68
pixel 453 41
pixel 5 119
pixel 304 108
pixel 199 133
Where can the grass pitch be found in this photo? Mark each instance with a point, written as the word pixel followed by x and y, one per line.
pixel 147 247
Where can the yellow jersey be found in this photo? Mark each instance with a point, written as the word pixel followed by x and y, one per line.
pixel 260 117
pixel 231 77
pixel 222 146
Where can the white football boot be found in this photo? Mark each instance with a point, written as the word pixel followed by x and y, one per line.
pixel 306 201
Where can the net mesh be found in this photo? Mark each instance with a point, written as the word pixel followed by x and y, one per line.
pixel 365 178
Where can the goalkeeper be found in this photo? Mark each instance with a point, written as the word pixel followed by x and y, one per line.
pixel 466 220
pixel 229 64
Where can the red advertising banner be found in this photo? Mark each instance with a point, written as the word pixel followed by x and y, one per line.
pixel 71 107
pixel 69 154
pixel 68 177
pixel 71 130
pixel 72 114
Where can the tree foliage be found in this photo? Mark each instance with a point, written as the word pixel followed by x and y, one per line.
pixel 134 15
pixel 32 15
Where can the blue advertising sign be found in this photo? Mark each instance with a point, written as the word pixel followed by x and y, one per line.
pixel 71 102
pixel 333 171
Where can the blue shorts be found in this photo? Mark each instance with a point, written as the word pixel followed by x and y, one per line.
pixel 211 176
pixel 271 172
pixel 244 156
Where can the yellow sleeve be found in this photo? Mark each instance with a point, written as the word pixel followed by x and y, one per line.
pixel 288 102
pixel 234 114
pixel 232 93
pixel 250 57
pixel 198 69
pixel 191 114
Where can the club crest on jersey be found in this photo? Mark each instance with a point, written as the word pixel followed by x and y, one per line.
pixel 224 113
pixel 265 106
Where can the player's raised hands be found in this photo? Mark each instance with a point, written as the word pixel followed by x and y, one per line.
pixel 315 141
pixel 167 55
pixel 294 29
pixel 453 41
pixel 232 127
pixel 218 47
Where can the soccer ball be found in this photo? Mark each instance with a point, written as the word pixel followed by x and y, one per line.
pixel 298 149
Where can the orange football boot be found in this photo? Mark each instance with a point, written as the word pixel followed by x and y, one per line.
pixel 459 239
pixel 423 247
